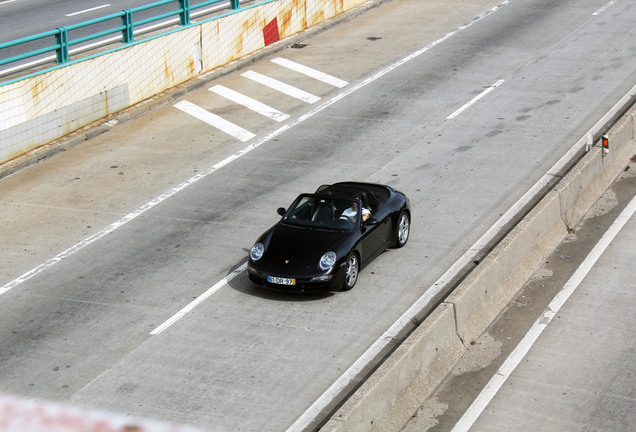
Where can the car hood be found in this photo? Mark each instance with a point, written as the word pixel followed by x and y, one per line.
pixel 296 248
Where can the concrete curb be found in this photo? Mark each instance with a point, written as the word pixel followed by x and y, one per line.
pixel 390 396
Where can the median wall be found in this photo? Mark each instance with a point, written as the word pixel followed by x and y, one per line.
pixel 390 397
pixel 37 110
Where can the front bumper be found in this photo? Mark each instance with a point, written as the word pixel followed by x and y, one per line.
pixel 303 284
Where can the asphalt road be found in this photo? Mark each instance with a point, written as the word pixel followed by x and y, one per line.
pixel 156 213
pixel 21 18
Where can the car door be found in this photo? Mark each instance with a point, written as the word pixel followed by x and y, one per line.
pixel 376 233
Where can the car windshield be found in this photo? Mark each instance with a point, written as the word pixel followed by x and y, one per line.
pixel 323 212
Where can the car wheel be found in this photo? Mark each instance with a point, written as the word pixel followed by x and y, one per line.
pixel 352 267
pixel 403 229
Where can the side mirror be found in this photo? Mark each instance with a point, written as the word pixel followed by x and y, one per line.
pixel 368 224
pixel 281 211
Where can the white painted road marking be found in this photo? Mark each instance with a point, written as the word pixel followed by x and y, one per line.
pixel 176 317
pixel 475 99
pixel 313 73
pixel 488 393
pixel 250 103
pixel 87 10
pixel 214 120
pixel 281 87
pixel 604 8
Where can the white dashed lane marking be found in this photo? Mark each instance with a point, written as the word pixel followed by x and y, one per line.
pixel 216 121
pixel 313 73
pixel 281 87
pixel 87 10
pixel 250 103
pixel 475 99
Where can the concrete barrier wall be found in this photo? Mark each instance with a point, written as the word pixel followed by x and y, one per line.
pixel 415 368
pixel 388 399
pixel 593 174
pixel 489 288
pixel 37 110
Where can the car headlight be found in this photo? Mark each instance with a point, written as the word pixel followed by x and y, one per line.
pixel 327 261
pixel 257 251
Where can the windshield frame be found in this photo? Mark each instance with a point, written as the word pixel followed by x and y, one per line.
pixel 302 212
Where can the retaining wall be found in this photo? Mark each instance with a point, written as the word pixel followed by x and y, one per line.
pixel 40 109
pixel 389 398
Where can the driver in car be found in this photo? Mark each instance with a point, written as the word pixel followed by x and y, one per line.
pixel 352 211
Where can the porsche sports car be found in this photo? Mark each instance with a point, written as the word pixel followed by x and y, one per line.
pixel 324 239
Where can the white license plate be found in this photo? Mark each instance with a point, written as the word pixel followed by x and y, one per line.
pixel 281 281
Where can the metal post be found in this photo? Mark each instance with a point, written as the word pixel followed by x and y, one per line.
pixel 61 39
pixel 184 16
pixel 235 4
pixel 127 21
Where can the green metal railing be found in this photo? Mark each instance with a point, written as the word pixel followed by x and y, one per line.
pixel 127 29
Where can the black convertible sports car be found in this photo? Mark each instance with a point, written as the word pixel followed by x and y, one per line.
pixel 324 239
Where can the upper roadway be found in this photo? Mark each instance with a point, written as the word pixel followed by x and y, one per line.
pixel 462 107
pixel 22 18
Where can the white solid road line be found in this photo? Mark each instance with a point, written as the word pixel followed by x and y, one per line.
pixel 475 99
pixel 488 393
pixel 281 87
pixel 312 73
pixel 214 120
pixel 250 103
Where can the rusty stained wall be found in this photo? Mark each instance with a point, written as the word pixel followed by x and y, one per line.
pixel 292 18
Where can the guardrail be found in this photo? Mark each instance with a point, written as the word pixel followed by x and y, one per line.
pixel 127 30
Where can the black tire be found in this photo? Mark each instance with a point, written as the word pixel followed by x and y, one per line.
pixel 352 269
pixel 402 230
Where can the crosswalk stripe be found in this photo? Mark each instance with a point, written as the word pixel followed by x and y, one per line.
pixel 313 73
pixel 214 120
pixel 250 103
pixel 281 87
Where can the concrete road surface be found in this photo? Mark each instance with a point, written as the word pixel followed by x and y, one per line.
pixel 121 259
